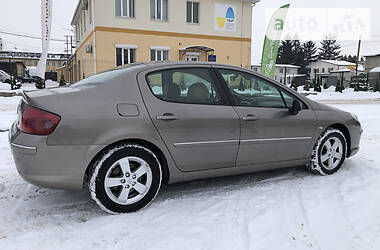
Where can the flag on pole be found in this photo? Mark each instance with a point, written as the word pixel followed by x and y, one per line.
pixel 46 17
pixel 272 41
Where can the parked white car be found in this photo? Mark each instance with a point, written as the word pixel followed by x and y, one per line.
pixel 4 77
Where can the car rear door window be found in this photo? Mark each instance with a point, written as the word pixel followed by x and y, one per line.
pixel 252 91
pixel 184 85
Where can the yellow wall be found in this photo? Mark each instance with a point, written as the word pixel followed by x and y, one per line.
pixel 28 62
pixel 84 64
pixel 106 30
pixel 105 16
pixel 233 51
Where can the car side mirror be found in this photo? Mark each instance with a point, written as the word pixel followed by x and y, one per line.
pixel 295 108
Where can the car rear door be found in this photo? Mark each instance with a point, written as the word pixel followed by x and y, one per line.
pixel 269 133
pixel 196 122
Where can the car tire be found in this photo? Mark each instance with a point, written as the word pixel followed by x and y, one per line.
pixel 125 179
pixel 329 152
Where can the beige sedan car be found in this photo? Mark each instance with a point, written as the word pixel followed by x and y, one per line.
pixel 124 132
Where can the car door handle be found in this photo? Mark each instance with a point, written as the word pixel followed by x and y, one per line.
pixel 167 117
pixel 250 118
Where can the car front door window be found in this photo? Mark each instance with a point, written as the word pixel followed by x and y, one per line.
pixel 251 91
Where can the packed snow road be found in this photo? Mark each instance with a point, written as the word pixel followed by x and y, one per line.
pixel 282 209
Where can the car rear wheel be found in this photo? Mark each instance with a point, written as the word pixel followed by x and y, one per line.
pixel 125 179
pixel 329 152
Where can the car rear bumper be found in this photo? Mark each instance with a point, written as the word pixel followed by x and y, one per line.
pixel 58 167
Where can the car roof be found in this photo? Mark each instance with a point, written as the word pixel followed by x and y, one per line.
pixel 159 64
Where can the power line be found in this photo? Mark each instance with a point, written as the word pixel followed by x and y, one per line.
pixel 355 43
pixel 28 36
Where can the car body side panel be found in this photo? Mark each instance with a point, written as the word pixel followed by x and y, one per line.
pixel 275 136
pixel 203 137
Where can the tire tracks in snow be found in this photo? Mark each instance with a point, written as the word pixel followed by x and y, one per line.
pixel 237 227
pixel 326 201
pixel 293 196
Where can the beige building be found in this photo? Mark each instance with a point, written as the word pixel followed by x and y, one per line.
pixel 330 71
pixel 281 72
pixel 371 62
pixel 115 32
pixel 30 59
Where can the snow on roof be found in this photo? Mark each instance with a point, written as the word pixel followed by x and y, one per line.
pixel 340 71
pixel 339 63
pixel 287 66
pixel 375 70
pixel 370 55
pixel 279 65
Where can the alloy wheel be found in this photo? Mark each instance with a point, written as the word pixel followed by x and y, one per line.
pixel 128 180
pixel 331 153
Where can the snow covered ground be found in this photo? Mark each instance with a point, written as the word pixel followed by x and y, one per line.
pixel 5 87
pixel 282 209
pixel 348 94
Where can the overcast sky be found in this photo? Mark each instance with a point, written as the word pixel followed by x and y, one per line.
pixel 23 16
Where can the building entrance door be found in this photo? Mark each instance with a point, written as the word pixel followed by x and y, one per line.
pixel 192 58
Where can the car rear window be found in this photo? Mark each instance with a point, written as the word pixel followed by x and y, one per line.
pixel 97 79
pixel 103 77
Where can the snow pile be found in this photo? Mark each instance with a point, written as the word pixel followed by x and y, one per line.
pixel 330 94
pixel 8 111
pixel 5 87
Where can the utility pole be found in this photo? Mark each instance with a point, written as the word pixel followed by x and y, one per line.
pixel 357 64
pixel 71 45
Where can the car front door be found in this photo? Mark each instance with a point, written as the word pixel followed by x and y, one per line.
pixel 269 133
pixel 200 129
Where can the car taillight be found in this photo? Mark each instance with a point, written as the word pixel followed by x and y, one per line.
pixel 36 121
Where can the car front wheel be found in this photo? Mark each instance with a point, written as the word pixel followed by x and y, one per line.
pixel 329 152
pixel 125 179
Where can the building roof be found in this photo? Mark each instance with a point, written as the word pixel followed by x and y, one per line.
pixel 375 70
pixel 32 55
pixel 340 71
pixel 339 63
pixel 199 47
pixel 80 5
pixel 372 55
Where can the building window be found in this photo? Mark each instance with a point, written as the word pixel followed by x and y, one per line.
pixel 125 8
pixel 84 21
pixel 192 10
pixel 159 10
pixel 323 70
pixel 281 70
pixel 159 54
pixel 90 11
pixel 125 55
